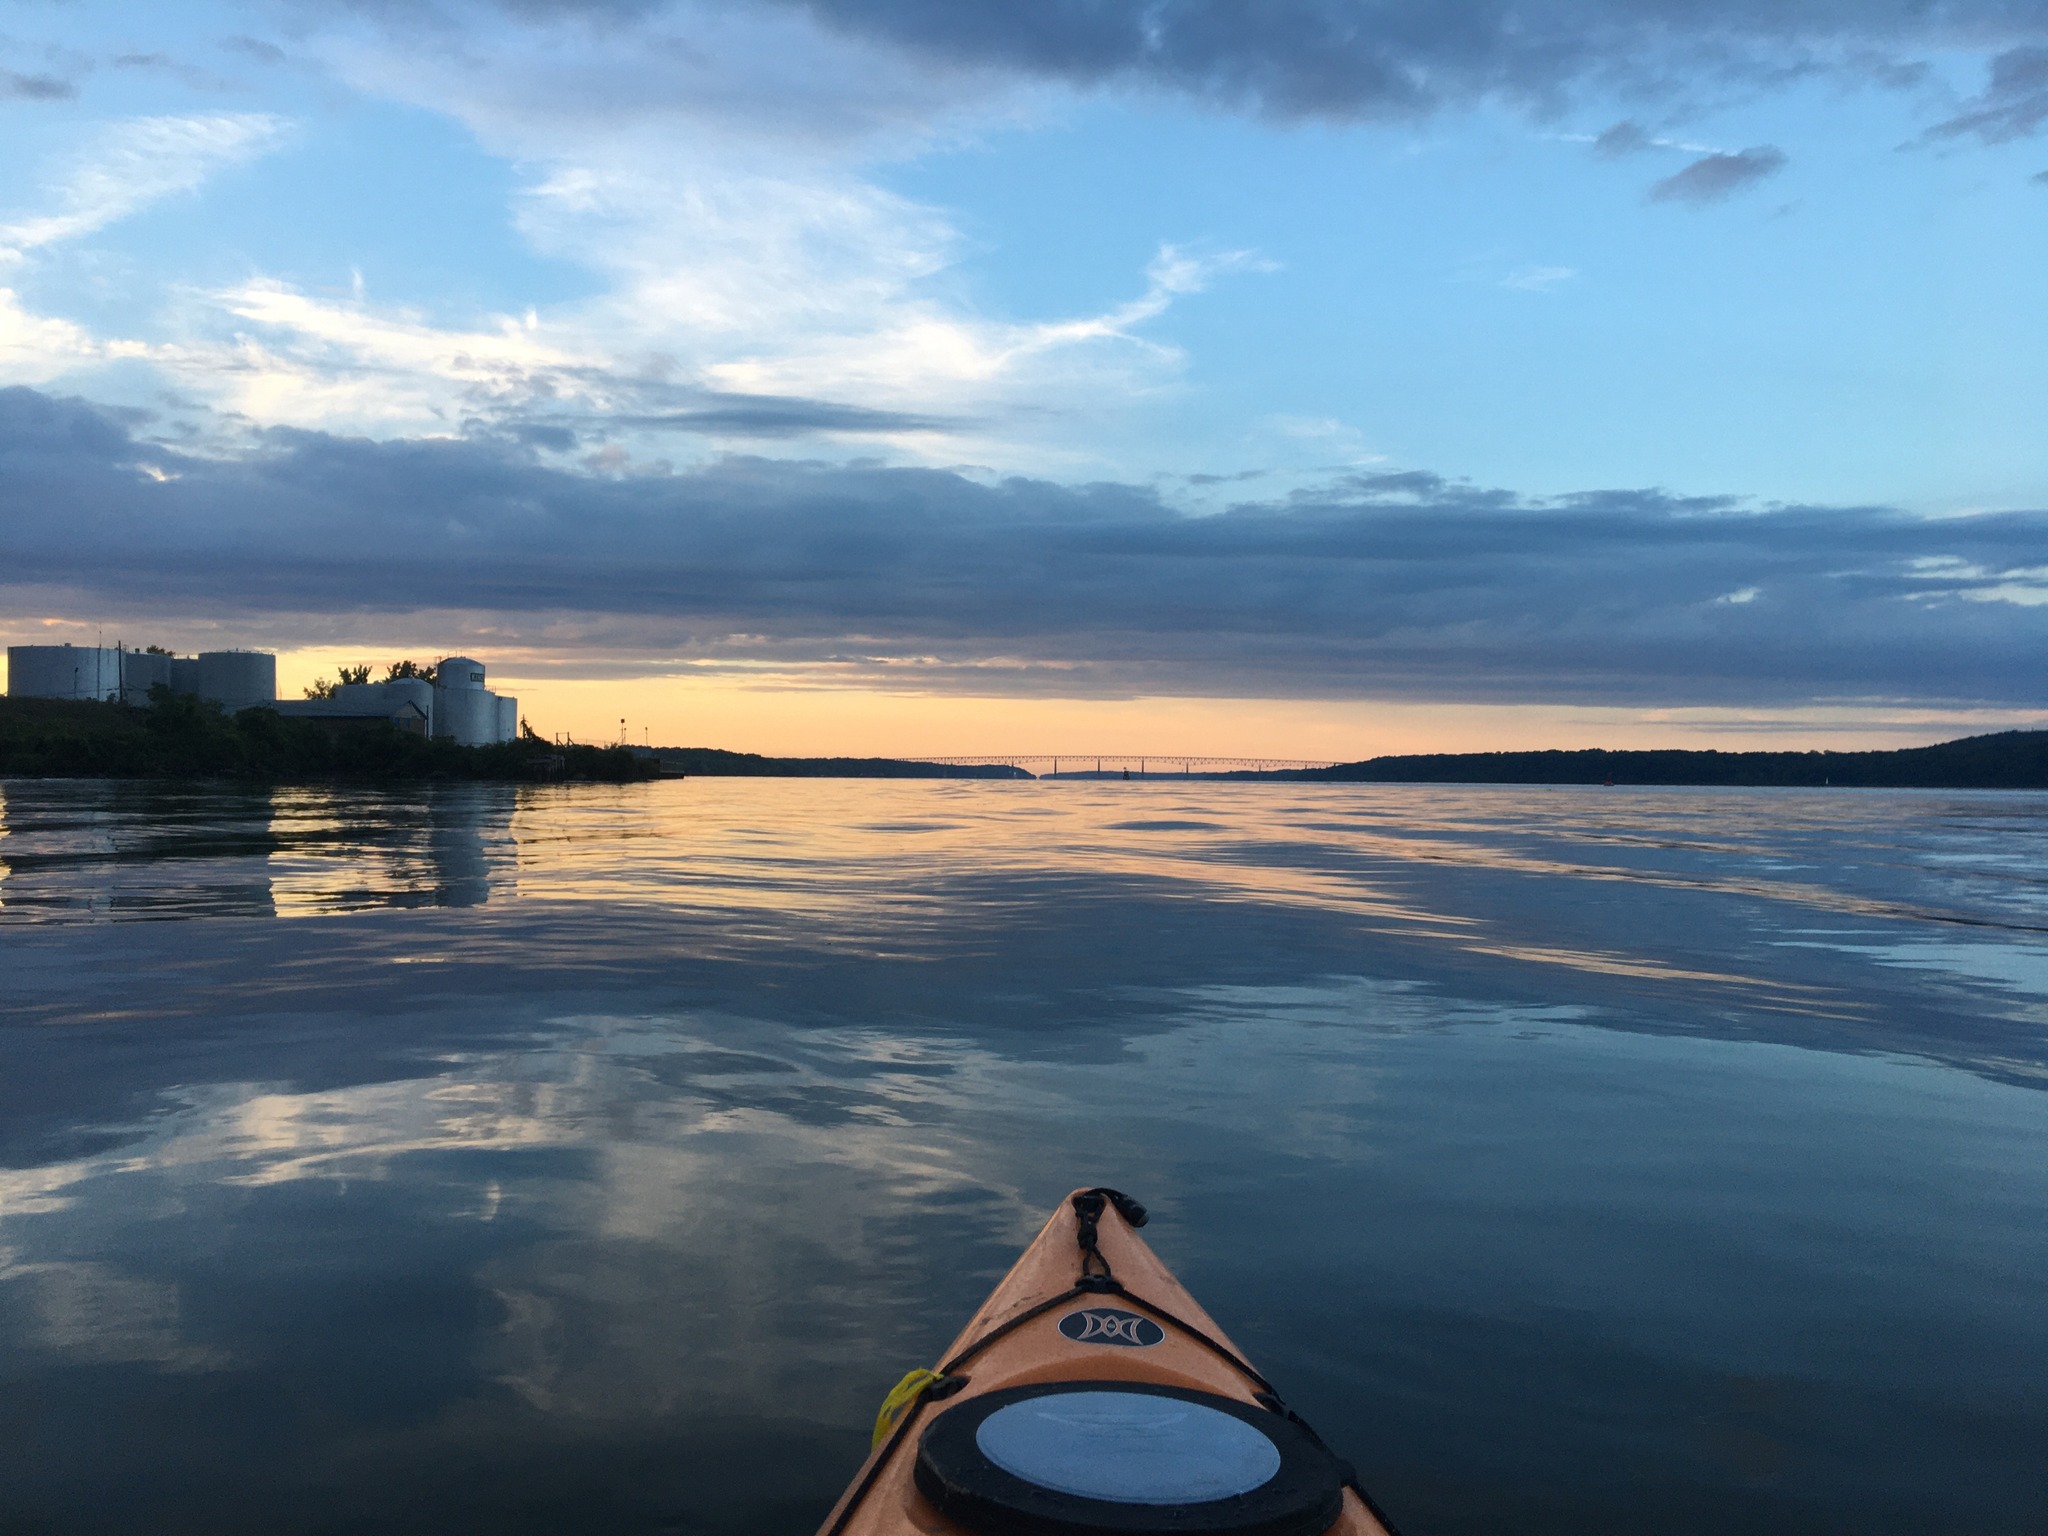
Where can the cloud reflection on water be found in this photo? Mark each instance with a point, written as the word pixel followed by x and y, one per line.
pixel 725 1102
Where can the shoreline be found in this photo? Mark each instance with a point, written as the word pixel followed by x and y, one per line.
pixel 185 741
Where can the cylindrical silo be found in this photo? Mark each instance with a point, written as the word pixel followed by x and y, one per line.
pixel 238 679
pixel 463 709
pixel 508 718
pixel 63 672
pixel 459 672
pixel 412 690
pixel 141 671
pixel 416 690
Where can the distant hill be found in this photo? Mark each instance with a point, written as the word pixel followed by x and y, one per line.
pixel 2005 760
pixel 714 762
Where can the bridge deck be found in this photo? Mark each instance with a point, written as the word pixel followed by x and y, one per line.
pixel 1147 764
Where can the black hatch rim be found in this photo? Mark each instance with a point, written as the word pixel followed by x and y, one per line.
pixel 1303 1498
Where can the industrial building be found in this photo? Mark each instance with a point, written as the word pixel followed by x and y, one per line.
pixel 406 704
pixel 455 705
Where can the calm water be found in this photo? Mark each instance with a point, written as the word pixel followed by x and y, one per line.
pixel 593 1160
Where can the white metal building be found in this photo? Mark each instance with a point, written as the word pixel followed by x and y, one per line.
pixel 407 703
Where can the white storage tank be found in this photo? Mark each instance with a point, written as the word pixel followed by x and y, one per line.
pixel 467 715
pixel 412 690
pixel 238 679
pixel 63 672
pixel 143 670
pixel 459 672
pixel 508 718
pixel 464 711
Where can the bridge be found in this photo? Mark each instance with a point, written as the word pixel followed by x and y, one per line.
pixel 1123 765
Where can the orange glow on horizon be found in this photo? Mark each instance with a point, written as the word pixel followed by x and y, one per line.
pixel 788 716
pixel 793 715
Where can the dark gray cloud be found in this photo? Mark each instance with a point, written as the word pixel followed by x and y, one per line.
pixel 255 48
pixel 1624 138
pixel 1711 178
pixel 14 87
pixel 176 69
pixel 658 404
pixel 2014 104
pixel 712 414
pixel 1346 60
pixel 784 416
pixel 1378 585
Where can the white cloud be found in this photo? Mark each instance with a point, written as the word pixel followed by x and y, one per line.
pixel 911 351
pixel 35 349
pixel 1538 279
pixel 1314 428
pixel 712 166
pixel 2025 587
pixel 303 361
pixel 712 169
pixel 129 164
pixel 279 355
pixel 807 281
pixel 1171 274
pixel 1973 581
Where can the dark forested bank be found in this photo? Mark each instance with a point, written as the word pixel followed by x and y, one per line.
pixel 182 737
pixel 2007 760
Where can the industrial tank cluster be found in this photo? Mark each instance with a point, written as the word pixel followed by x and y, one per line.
pixel 233 679
pixel 456 704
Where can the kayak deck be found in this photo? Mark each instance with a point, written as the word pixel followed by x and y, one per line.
pixel 1087 1302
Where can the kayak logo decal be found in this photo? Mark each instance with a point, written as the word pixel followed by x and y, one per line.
pixel 1111 1325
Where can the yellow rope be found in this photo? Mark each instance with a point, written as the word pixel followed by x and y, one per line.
pixel 897 1403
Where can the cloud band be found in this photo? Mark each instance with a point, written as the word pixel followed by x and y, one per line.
pixel 1378 586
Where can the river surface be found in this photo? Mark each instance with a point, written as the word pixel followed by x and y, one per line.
pixel 581 1159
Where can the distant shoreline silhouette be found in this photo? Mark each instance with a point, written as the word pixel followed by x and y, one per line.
pixel 45 738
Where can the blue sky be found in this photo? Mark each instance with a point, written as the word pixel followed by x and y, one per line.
pixel 1079 265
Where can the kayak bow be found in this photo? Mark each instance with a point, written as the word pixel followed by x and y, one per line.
pixel 1092 1395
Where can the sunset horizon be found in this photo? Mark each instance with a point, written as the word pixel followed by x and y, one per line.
pixel 824 378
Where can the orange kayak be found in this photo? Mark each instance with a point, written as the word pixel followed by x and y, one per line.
pixel 1091 1394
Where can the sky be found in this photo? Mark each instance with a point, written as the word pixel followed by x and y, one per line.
pixel 1299 378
